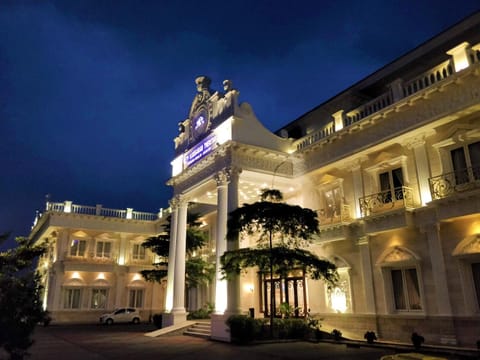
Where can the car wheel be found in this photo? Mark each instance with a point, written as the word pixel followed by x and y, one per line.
pixel 136 320
pixel 109 321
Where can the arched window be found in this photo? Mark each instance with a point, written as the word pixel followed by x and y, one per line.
pixel 402 280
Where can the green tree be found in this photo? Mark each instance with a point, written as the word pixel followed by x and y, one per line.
pixel 20 296
pixel 197 270
pixel 281 230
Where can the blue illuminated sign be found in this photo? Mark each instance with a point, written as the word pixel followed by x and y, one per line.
pixel 200 150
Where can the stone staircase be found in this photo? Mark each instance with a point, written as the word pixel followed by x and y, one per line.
pixel 199 329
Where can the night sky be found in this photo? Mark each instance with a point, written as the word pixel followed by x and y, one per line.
pixel 91 92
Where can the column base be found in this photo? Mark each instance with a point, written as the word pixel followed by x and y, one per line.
pixel 220 330
pixel 173 318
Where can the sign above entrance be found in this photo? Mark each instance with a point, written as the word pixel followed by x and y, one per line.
pixel 203 148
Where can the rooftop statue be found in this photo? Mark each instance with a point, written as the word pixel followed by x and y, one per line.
pixel 203 93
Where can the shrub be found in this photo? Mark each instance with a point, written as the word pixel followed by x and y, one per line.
pixel 370 336
pixel 337 334
pixel 243 329
pixel 417 340
pixel 202 313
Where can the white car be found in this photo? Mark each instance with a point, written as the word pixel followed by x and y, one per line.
pixel 121 315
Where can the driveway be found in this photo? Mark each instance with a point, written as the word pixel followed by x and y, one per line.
pixel 84 342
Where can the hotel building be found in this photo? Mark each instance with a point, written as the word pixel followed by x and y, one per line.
pixel 391 165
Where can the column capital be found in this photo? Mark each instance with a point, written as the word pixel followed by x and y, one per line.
pixel 178 201
pixel 363 240
pixel 355 164
pixel 222 178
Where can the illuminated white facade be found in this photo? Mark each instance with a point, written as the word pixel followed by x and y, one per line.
pixel 392 167
pixel 94 259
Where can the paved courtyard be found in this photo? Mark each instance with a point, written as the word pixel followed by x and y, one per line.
pixel 81 342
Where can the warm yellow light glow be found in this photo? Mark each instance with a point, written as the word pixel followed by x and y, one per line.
pixel 339 300
pixel 76 275
pixel 177 165
pixel 121 259
pixel 221 297
pixel 223 132
pixel 460 56
pixel 338 118
pixel 67 207
pixel 101 276
pixel 248 288
pixel 136 277
pixel 475 228
pixel 426 195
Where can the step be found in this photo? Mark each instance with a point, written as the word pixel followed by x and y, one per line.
pixel 200 329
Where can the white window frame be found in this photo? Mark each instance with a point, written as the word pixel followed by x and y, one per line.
pixel 103 254
pixel 68 300
pixel 77 253
pixel 95 291
pixel 139 252
pixel 136 303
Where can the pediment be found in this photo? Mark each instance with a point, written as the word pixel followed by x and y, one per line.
pixel 469 245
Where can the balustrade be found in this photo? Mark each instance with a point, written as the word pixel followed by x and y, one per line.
pixel 432 76
pixel 454 182
pixel 401 197
pixel 100 211
pixel 410 87
pixel 334 216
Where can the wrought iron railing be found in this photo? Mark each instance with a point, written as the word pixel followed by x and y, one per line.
pixel 400 197
pixel 454 182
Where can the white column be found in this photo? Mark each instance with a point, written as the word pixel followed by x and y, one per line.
pixel 422 167
pixel 171 255
pixel 180 249
pixel 357 188
pixel 367 274
pixel 234 283
pixel 438 269
pixel 222 178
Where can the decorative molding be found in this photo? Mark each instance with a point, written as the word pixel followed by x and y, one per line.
pixel 469 245
pixel 222 178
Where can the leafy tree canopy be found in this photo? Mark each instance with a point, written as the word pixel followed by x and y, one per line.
pixel 197 270
pixel 283 259
pixel 289 224
pixel 20 296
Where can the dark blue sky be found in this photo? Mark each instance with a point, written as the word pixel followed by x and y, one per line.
pixel 91 91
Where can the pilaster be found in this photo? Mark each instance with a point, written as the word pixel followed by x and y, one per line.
pixel 367 274
pixel 432 231
pixel 422 167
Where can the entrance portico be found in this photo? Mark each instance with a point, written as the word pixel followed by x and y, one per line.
pixel 221 161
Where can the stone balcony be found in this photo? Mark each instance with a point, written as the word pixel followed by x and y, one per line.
pixel 455 182
pixel 386 201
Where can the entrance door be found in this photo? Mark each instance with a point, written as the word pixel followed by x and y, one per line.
pixel 289 296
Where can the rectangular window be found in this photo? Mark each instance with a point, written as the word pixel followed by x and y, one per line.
pixel 78 247
pixel 136 298
pixel 406 290
pixel 466 163
pixel 103 249
pixel 99 299
pixel 391 183
pixel 71 299
pixel 476 280
pixel 138 252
